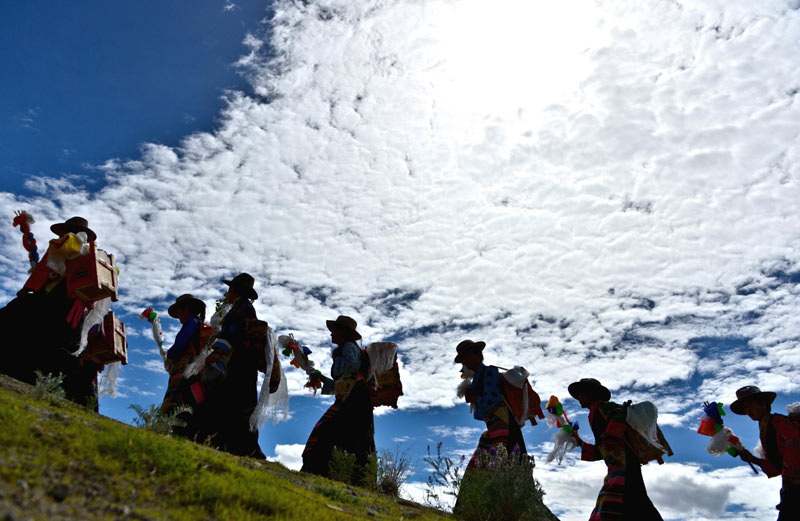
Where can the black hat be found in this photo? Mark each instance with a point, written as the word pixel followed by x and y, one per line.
pixel 196 305
pixel 747 392
pixel 345 322
pixel 468 346
pixel 589 385
pixel 243 283
pixel 74 225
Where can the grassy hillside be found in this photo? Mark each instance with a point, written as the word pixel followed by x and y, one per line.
pixel 60 462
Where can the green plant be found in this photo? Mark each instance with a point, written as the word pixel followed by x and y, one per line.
pixel 336 494
pixel 445 478
pixel 501 486
pixel 368 475
pixel 342 465
pixel 48 386
pixel 156 420
pixel 394 468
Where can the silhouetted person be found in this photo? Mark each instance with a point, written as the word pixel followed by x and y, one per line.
pixel 780 439
pixel 189 342
pixel 623 496
pixel 347 425
pixel 43 323
pixel 231 376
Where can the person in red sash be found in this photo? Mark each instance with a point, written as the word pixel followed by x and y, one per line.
pixel 780 440
pixel 43 322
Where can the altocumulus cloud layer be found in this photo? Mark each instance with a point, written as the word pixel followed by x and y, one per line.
pixel 594 189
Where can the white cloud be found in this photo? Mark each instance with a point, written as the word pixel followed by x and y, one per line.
pixel 154 366
pixel 462 435
pixel 291 456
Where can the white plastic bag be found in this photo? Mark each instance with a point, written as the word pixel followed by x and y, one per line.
pixel 643 417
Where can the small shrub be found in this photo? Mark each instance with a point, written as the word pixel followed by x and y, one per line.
pixel 48 386
pixel 367 476
pixel 445 478
pixel 394 468
pixel 156 420
pixel 342 465
pixel 501 487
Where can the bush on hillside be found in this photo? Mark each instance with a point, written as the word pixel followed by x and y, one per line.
pixel 501 487
pixel 156 420
pixel 394 468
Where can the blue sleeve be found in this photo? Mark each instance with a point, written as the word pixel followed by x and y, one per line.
pixel 183 339
pixel 348 362
pixel 492 393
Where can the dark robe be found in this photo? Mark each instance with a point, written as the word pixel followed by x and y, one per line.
pixel 39 338
pixel 225 415
pixel 347 425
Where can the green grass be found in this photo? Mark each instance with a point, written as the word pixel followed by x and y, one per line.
pixel 109 466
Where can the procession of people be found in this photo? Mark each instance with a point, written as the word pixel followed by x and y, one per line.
pixel 60 323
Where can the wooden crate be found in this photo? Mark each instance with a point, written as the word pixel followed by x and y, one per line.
pixel 93 276
pixel 110 345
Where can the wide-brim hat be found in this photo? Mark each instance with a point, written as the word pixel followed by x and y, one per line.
pixel 747 392
pixel 589 385
pixel 196 305
pixel 343 321
pixel 243 283
pixel 74 225
pixel 467 346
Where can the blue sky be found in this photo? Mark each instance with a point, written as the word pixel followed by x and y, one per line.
pixel 82 77
pixel 607 191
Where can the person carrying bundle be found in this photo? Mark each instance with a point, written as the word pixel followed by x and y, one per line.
pixel 46 321
pixel 488 396
pixel 348 424
pixel 189 343
pixel 231 375
pixel 780 440
pixel 623 495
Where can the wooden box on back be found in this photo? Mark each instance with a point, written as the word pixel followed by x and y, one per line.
pixel 93 276
pixel 110 345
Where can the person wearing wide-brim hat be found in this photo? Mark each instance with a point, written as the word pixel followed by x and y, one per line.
pixel 348 424
pixel 36 325
pixel 74 225
pixel 242 286
pixel 623 495
pixel 486 394
pixel 231 375
pixel 191 312
pixel 189 343
pixel 780 440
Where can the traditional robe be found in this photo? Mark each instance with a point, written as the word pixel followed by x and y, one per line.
pixel 623 496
